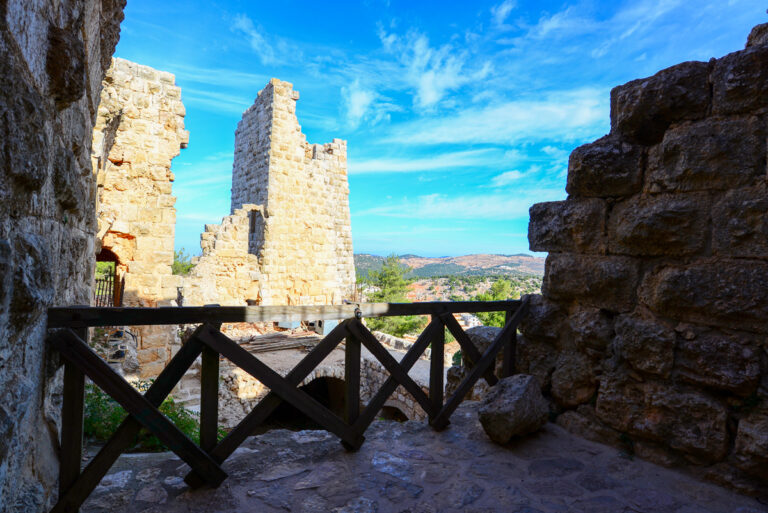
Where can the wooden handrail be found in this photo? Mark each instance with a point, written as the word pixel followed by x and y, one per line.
pixel 88 316
pixel 211 343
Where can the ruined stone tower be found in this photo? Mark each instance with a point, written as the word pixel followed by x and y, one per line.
pixel 139 130
pixel 292 197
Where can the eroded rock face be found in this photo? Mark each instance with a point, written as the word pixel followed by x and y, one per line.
pixel 513 407
pixel 651 330
pixel 50 80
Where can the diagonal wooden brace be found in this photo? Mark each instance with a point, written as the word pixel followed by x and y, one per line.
pixel 390 385
pixel 125 434
pixel 271 401
pixel 389 363
pixel 471 354
pixel 277 384
pixel 486 360
pixel 77 352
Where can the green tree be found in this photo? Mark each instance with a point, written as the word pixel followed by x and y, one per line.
pixel 182 263
pixel 392 287
pixel 500 290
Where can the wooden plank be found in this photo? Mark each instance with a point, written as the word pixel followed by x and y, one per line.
pixel 72 410
pixel 271 401
pixel 486 360
pixel 209 399
pixel 390 385
pixel 468 350
pixel 76 351
pixel 510 347
pixel 277 384
pixel 437 368
pixel 351 380
pixel 126 433
pixel 73 317
pixel 389 363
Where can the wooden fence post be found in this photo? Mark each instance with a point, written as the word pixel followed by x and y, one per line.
pixel 437 368
pixel 351 379
pixel 72 410
pixel 209 396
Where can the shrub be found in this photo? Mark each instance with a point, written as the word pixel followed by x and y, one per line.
pixel 103 415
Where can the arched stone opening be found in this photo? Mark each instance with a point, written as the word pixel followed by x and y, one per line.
pixel 392 412
pixel 108 283
pixel 328 391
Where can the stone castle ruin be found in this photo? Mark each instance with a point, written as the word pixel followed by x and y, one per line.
pixel 651 329
pixel 288 240
pixel 139 130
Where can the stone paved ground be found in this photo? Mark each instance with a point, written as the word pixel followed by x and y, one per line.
pixel 408 468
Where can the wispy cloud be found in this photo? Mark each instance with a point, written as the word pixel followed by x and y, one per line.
pixel 500 12
pixel 431 72
pixel 259 44
pixel 482 206
pixel 557 116
pixel 438 161
pixel 506 178
pixel 364 104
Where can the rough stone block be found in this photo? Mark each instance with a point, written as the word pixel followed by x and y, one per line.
pixel 543 320
pixel 513 407
pixel 591 328
pixel 722 293
pixel 560 226
pixel 573 381
pixel 740 81
pixel 537 358
pixel 725 360
pixel 758 36
pixel 714 154
pixel 598 281
pixel 643 109
pixel 659 225
pixel 647 345
pixel 685 420
pixel 751 450
pixel 608 167
pixel 740 224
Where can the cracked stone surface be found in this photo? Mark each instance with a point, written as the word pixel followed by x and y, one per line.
pixel 409 468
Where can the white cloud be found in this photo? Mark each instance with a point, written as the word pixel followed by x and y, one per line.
pixel 482 206
pixel 432 72
pixel 468 158
pixel 256 39
pixel 560 115
pixel 506 178
pixel 500 12
pixel 364 104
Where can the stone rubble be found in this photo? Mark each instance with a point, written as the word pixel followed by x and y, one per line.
pixel 512 408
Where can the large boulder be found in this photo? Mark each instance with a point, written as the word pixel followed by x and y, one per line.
pixel 513 407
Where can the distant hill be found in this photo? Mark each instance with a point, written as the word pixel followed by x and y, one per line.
pixel 480 264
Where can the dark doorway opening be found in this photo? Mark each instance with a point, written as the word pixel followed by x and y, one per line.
pixel 108 288
pixel 327 391
pixel 392 413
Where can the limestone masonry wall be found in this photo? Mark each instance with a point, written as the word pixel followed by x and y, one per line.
pixel 652 328
pixel 138 132
pixel 298 200
pixel 226 273
pixel 53 56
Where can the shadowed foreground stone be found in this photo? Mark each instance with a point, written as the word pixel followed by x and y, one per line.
pixel 514 407
pixel 407 467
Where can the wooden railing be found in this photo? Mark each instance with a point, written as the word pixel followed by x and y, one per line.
pixel 68 330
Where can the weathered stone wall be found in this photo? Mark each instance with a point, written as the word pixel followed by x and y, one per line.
pixel 53 56
pixel 300 230
pixel 139 130
pixel 652 327
pixel 226 274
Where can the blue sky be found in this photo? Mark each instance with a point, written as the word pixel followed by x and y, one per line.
pixel 459 115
